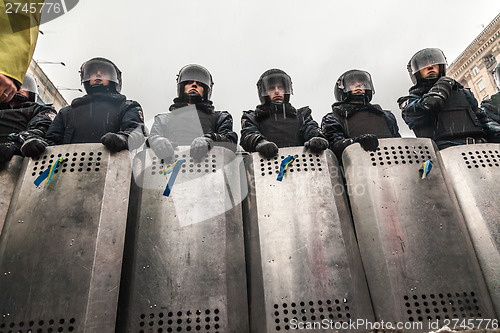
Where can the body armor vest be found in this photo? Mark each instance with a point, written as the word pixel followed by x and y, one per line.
pixel 366 122
pixel 284 132
pixel 92 120
pixel 455 120
pixel 187 123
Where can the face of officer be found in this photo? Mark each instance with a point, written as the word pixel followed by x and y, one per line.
pixel 100 77
pixel 429 72
pixel 357 88
pixel 276 92
pixel 194 87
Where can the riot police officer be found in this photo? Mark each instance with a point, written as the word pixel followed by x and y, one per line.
pixel 440 108
pixel 492 105
pixel 353 118
pixel 103 115
pixel 23 119
pixel 275 123
pixel 192 119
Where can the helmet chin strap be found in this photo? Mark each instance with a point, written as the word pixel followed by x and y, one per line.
pixel 99 88
pixel 20 98
pixel 360 98
pixel 192 98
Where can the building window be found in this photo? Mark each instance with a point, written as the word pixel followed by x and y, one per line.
pixel 475 70
pixel 43 79
pixel 489 60
pixel 480 85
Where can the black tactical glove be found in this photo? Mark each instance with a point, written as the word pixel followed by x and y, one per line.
pixel 368 142
pixel 268 149
pixel 33 147
pixel 316 144
pixel 7 150
pixel 439 92
pixel 114 142
pixel 200 147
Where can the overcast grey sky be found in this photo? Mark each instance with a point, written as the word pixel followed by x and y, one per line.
pixel 314 41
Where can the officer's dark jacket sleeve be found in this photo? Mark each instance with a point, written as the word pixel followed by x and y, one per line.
pixel 333 129
pixel 224 127
pixel 393 124
pixel 55 133
pixel 40 118
pixel 308 126
pixel 131 117
pixel 491 108
pixel 159 126
pixel 41 121
pixel 250 133
pixel 415 113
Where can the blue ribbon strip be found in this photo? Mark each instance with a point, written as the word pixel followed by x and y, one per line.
pixel 174 169
pixel 425 169
pixel 49 172
pixel 284 166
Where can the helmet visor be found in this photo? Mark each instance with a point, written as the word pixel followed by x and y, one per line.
pixel 425 58
pixel 276 83
pixel 98 69
pixel 357 80
pixel 195 73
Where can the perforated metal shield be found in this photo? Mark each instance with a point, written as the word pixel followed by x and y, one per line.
pixel 474 172
pixel 303 260
pixel 62 244
pixel 417 254
pixel 187 266
pixel 9 173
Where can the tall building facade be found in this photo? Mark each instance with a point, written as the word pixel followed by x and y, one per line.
pixel 474 66
pixel 47 91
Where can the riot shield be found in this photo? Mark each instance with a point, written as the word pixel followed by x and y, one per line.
pixel 474 171
pixel 186 262
pixel 303 262
pixel 62 244
pixel 417 254
pixel 9 174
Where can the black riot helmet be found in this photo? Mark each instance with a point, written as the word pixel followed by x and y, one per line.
pixel 350 81
pixel 194 72
pixel 104 69
pixel 423 59
pixel 29 85
pixel 270 79
pixel 496 75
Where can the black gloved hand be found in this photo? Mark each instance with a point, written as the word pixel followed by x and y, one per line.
pixel 200 147
pixel 443 87
pixel 7 150
pixel 316 144
pixel 33 147
pixel 114 142
pixel 268 149
pixel 368 142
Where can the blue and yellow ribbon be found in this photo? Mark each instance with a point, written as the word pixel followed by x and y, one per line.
pixel 49 172
pixel 284 166
pixel 171 168
pixel 425 169
pixel 174 169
